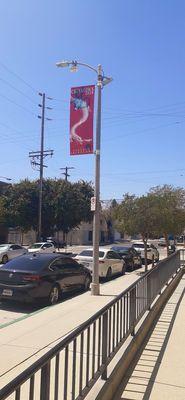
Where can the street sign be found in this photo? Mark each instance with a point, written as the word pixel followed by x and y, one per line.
pixel 93 203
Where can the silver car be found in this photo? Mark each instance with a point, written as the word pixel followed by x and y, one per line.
pixel 9 251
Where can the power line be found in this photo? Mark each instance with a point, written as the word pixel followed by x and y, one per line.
pixel 18 77
pixel 18 105
pixel 17 90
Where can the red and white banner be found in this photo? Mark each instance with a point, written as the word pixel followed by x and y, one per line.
pixel 81 120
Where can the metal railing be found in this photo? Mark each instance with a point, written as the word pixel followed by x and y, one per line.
pixel 71 368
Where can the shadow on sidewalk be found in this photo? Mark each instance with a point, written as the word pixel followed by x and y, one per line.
pixel 141 376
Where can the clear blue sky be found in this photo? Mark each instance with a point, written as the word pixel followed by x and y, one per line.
pixel 140 44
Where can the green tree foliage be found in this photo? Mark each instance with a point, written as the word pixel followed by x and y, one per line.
pixel 169 203
pixel 108 213
pixel 21 201
pixel 2 210
pixel 135 215
pixel 65 205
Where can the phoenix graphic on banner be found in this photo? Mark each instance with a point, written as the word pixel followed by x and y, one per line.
pixel 81 120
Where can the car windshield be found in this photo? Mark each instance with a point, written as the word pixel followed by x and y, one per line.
pixel 3 247
pixel 35 246
pixel 139 245
pixel 89 253
pixel 121 250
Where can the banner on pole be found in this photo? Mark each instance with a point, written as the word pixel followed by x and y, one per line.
pixel 81 120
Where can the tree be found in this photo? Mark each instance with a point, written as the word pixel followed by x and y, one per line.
pixel 169 211
pixel 21 200
pixel 135 215
pixel 108 214
pixel 2 210
pixel 65 205
pixel 72 205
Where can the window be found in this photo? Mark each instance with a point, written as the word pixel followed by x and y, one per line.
pixel 63 264
pixel 112 255
pixel 90 236
pixel 14 247
pixel 47 245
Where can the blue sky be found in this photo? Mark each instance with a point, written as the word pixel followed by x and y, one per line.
pixel 140 44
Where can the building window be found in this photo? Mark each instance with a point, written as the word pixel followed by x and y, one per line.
pixel 90 236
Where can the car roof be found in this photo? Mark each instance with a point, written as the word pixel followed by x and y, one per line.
pixel 41 259
pixel 41 243
pixel 91 248
pixel 117 247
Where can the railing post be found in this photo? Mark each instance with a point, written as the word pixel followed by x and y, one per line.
pixel 133 310
pixel 104 344
pixel 45 382
pixel 149 292
pixel 178 260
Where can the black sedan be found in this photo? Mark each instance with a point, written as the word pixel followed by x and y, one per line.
pixel 131 257
pixel 42 277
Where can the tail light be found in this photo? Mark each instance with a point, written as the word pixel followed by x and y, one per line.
pixel 31 278
pixel 101 262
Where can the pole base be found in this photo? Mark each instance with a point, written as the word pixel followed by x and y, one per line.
pixel 95 289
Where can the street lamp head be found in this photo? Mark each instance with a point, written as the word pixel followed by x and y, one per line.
pixel 63 64
pixel 73 67
pixel 107 80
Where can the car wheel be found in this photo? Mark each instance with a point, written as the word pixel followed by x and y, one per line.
pixel 109 273
pixel 54 295
pixel 87 283
pixel 5 259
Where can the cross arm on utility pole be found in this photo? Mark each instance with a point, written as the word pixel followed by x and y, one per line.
pixel 66 172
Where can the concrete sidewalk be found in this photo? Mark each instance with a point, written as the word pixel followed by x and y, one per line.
pixel 159 372
pixel 28 339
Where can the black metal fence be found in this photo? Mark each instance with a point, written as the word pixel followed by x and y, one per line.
pixel 70 369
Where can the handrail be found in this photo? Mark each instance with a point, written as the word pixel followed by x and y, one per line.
pixel 129 305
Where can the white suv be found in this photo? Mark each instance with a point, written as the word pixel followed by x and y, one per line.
pixel 152 252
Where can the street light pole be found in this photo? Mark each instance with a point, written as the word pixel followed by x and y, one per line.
pixel 95 286
pixel 102 81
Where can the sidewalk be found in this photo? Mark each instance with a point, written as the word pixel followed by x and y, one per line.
pixel 159 372
pixel 28 339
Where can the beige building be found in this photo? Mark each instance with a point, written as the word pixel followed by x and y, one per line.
pixel 81 235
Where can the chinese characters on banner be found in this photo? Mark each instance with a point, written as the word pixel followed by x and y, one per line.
pixel 81 120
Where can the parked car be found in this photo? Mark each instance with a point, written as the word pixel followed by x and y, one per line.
pixel 43 247
pixel 42 277
pixel 110 262
pixel 57 243
pixel 152 252
pixel 162 242
pixel 131 257
pixel 9 251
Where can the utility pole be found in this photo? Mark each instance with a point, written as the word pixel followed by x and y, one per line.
pixel 66 172
pixel 40 155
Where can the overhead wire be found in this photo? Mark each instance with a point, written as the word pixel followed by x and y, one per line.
pixel 18 90
pixel 18 77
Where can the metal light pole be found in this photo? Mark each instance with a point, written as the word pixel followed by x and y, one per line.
pixel 101 81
